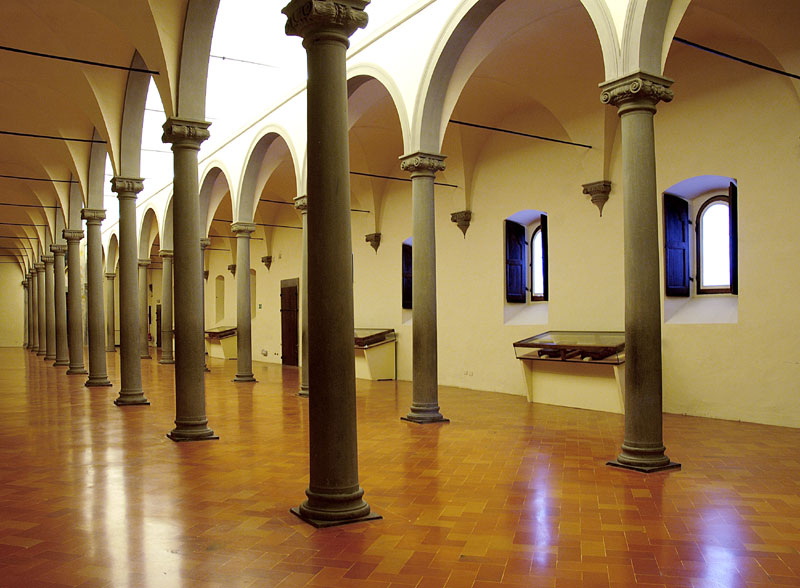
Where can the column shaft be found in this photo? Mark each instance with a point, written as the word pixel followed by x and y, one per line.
pixel 110 315
pixel 244 346
pixel 95 313
pixel 130 357
pixel 41 308
pixel 191 423
pixel 59 268
pixel 25 313
pixel 334 494
pixel 144 347
pixel 166 308
pixel 75 312
pixel 35 309
pixel 636 97
pixel 50 313
pixel 301 203
pixel 31 303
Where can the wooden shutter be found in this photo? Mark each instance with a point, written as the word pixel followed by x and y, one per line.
pixel 676 245
pixel 515 262
pixel 545 264
pixel 406 276
pixel 733 193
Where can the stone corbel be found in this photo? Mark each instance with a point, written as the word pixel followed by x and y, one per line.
pixel 267 261
pixel 598 191
pixel 205 274
pixel 374 239
pixel 232 268
pixel 462 218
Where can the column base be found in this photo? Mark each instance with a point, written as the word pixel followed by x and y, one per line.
pixel 167 361
pixel 61 362
pixel 334 509
pixel 424 414
pixel 644 469
pixel 244 378
pixel 40 353
pixel 49 357
pixel 97 381
pixel 191 434
pixel 135 398
pixel 77 371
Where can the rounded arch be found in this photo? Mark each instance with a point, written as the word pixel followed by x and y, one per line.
pixel 167 237
pixel 214 185
pixel 148 232
pixel 647 34
pixel 454 58
pixel 263 156
pixel 113 251
pixel 198 30
pixel 362 72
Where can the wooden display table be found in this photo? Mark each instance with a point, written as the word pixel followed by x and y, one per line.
pixel 221 342
pixel 375 354
pixel 581 369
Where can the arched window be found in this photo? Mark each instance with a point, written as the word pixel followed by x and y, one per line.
pixel 714 246
pixel 526 234
pixel 539 290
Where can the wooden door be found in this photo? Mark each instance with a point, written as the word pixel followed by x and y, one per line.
pixel 158 325
pixel 289 322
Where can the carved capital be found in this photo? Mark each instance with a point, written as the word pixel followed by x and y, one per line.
pixel 144 262
pixel 598 191
pixel 643 89
pixel 314 19
pixel 48 259
pixel 38 267
pixel 267 261
pixel 243 229
pixel 185 132
pixel 374 239
pixel 462 218
pixel 204 243
pixel 93 215
pixel 232 268
pixel 166 253
pixel 110 275
pixel 422 163
pixel 58 248
pixel 301 203
pixel 72 235
pixel 127 187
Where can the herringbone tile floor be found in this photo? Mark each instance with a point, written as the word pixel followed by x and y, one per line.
pixel 507 494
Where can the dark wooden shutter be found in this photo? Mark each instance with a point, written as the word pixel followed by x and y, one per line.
pixel 733 211
pixel 545 264
pixel 406 276
pixel 676 245
pixel 515 262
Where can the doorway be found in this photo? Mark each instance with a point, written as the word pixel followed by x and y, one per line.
pixel 289 322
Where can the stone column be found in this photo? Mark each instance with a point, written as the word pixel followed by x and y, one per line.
pixel 74 316
pixel 635 97
pixel 41 308
pixel 98 375
pixel 334 494
pixel 31 303
pixel 205 242
pixel 50 309
pixel 130 392
pixel 191 423
pixel 244 346
pixel 110 315
pixel 425 403
pixel 34 279
pixel 301 204
pixel 62 344
pixel 166 307
pixel 25 313
pixel 144 348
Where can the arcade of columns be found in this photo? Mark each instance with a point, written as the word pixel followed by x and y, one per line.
pixel 334 495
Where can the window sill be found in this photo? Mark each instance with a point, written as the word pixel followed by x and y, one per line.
pixel 530 313
pixel 707 309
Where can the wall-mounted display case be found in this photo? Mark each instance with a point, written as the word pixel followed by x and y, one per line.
pixel 574 346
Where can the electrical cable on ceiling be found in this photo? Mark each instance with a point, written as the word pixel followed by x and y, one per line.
pixel 518 133
pixel 52 137
pixel 76 60
pixel 734 58
pixel 7 177
pixel 396 179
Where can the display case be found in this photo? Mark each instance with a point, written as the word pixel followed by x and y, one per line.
pixel 221 342
pixel 574 346
pixel 375 353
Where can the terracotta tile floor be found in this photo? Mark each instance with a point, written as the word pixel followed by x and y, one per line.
pixel 507 494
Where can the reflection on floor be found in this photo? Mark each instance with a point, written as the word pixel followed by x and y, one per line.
pixel 507 494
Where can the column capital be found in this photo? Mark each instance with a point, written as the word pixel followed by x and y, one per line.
pixel 325 19
pixel 421 163
pixel 93 216
pixel 58 248
pixel 301 203
pixel 48 259
pixel 126 187
pixel 72 235
pixel 598 191
pixel 242 229
pixel 640 88
pixel 185 132
pixel 144 262
pixel 204 243
pixel 39 267
pixel 110 275
pixel 166 253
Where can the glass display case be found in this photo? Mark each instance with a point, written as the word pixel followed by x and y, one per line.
pixel 368 337
pixel 376 354
pixel 574 346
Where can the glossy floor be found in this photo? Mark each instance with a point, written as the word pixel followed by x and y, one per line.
pixel 507 494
